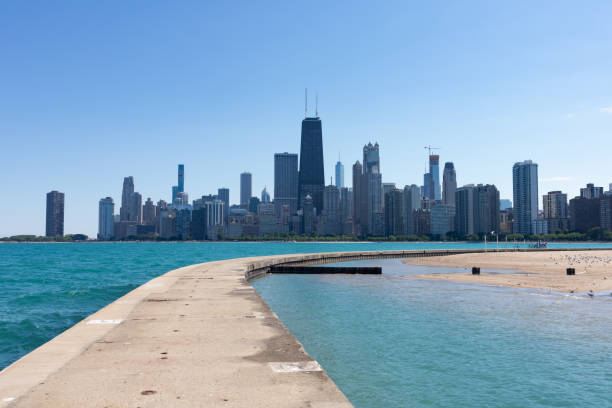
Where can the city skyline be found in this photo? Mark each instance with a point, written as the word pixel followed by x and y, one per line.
pixel 490 87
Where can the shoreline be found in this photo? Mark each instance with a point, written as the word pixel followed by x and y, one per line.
pixel 534 270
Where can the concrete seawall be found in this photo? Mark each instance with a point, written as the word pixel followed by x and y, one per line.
pixel 198 336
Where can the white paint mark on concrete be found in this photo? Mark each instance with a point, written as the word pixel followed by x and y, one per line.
pixel 255 315
pixel 8 399
pixel 105 321
pixel 295 367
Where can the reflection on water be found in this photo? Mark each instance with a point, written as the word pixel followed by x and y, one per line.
pixel 388 341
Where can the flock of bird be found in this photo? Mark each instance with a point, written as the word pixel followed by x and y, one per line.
pixel 583 260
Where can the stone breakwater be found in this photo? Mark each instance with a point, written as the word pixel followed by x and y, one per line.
pixel 195 336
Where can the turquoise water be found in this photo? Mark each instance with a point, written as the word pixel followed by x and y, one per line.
pixel 392 341
pixel 47 288
pixel 386 341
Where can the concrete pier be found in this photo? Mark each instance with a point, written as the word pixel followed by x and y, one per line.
pixel 198 336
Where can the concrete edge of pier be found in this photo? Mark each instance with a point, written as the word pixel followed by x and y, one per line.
pixel 195 336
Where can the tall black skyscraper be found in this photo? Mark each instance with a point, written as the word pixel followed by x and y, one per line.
pixel 311 179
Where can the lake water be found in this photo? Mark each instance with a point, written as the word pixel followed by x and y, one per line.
pixel 385 340
pixel 392 341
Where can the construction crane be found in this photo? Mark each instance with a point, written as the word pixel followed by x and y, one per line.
pixel 430 148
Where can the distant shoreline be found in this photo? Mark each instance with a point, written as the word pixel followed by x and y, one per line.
pixel 491 245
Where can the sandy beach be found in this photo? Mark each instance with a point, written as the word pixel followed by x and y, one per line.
pixel 544 270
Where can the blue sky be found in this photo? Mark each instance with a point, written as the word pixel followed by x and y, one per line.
pixel 91 92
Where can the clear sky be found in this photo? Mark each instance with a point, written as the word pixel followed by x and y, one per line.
pixel 92 91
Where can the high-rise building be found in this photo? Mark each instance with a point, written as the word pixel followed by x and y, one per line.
pixel 330 223
pixel 136 207
pixel 387 188
pixel 525 196
pixel 106 210
pixel 605 212
pixel 223 194
pixel 346 203
pixel 339 174
pixel 175 192
pixel 505 204
pixel 126 198
pixel 434 170
pixel 477 209
pixel 585 213
pixel 464 213
pixel 311 179
pixel 199 223
pixel 265 196
pixel 486 209
pixel 412 202
pixel 555 210
pixel 356 214
pixel 246 183
pixel 590 191
pixel 55 214
pixel 449 184
pixel 253 204
pixel 181 178
pixel 308 215
pixel 149 212
pixel 394 213
pixel 371 158
pixel 286 180
pixel 442 217
pixel 428 186
pixel 131 202
pixel 183 223
pixel 371 200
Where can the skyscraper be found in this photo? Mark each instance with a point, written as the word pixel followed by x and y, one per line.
pixel 55 214
pixel 286 180
pixel 311 180
pixel 449 184
pixel 126 194
pixel 356 211
pixel 371 202
pixel 486 209
pixel 181 178
pixel 434 170
pixel 412 202
pixel 525 195
pixel 246 183
pixel 149 212
pixel 106 210
pixel 590 191
pixel 339 174
pixel 394 212
pixel 331 217
pixel 555 210
pixel 136 207
pixel 223 194
pixel 265 196
pixel 371 158
pixel 477 209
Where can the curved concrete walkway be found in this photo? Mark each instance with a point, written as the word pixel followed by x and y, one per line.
pixel 198 336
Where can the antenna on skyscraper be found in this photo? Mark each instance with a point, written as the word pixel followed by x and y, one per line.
pixel 306 102
pixel 317 105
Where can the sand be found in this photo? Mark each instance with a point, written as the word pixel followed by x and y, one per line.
pixel 546 270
